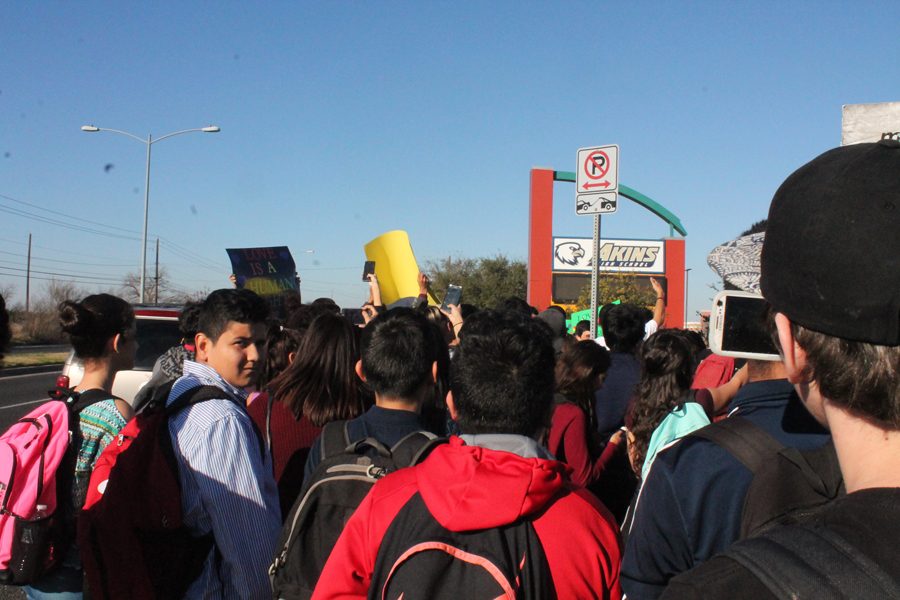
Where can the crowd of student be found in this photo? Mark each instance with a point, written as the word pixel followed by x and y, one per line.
pixel 558 466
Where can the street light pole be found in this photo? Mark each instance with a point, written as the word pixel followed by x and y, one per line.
pixel 146 214
pixel 687 280
pixel 149 142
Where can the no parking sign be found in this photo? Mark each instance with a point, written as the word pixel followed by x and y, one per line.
pixel 597 180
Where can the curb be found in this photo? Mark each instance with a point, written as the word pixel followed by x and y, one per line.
pixel 11 371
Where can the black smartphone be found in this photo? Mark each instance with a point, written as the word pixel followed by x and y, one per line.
pixel 738 327
pixel 354 315
pixel 453 296
pixel 368 269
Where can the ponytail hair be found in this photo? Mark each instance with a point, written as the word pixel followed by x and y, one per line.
pixel 90 324
pixel 666 373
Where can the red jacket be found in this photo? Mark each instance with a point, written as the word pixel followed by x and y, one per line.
pixel 468 488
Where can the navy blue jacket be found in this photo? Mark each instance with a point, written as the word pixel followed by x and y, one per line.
pixel 690 506
pixel 611 400
pixel 387 425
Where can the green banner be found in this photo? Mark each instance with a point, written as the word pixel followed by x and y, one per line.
pixel 585 315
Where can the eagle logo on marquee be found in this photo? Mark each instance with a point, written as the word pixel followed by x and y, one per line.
pixel 570 253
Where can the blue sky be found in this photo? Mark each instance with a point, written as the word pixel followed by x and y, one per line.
pixel 343 120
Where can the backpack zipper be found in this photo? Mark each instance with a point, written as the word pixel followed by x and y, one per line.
pixel 373 471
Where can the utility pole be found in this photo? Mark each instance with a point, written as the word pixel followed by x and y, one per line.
pixel 687 281
pixel 595 276
pixel 28 278
pixel 156 292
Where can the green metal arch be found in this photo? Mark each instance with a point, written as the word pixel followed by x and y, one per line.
pixel 655 207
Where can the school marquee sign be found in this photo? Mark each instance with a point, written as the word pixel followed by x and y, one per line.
pixel 573 254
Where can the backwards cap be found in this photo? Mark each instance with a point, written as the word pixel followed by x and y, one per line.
pixel 831 258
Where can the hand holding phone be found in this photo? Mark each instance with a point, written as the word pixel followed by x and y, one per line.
pixel 453 296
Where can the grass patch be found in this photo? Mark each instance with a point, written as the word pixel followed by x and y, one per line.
pixel 34 359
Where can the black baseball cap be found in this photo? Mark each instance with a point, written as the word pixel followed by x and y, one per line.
pixel 831 257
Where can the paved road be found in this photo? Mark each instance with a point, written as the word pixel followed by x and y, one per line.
pixel 39 348
pixel 19 394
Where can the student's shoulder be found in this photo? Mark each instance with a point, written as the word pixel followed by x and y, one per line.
pixel 387 498
pixel 692 452
pixel 563 412
pixel 718 577
pixel 209 418
pixel 580 508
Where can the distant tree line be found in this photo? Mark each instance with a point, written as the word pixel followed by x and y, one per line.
pixel 485 281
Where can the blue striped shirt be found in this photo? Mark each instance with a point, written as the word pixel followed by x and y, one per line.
pixel 227 487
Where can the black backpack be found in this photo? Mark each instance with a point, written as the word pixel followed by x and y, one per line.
pixel 813 563
pixel 342 479
pixel 419 559
pixel 788 485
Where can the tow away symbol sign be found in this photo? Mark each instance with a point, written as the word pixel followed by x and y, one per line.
pixel 597 180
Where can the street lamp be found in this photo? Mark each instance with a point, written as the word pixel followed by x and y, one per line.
pixel 149 142
pixel 687 280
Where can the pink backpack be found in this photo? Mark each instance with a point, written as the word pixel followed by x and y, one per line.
pixel 33 537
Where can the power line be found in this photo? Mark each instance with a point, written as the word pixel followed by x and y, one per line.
pixel 69 262
pixel 184 252
pixel 197 260
pixel 26 214
pixel 62 248
pixel 91 275
pixel 55 212
pixel 82 274
pixel 83 282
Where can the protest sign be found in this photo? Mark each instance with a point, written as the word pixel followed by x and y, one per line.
pixel 270 272
pixel 395 268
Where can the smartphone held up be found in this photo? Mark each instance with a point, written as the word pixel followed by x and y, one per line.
pixel 368 269
pixel 453 296
pixel 738 326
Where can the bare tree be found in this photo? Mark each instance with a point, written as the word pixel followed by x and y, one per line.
pixel 155 292
pixel 41 324
pixel 8 290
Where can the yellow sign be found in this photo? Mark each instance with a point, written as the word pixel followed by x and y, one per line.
pixel 395 266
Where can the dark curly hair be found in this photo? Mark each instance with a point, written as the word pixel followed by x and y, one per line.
pixel 666 375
